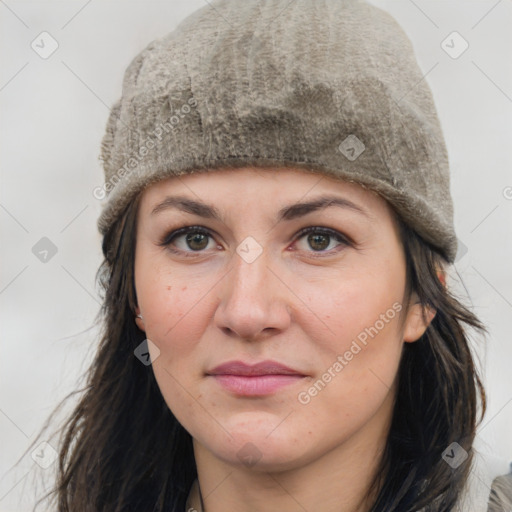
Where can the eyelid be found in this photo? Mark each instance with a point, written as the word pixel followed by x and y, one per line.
pixel 171 235
pixel 166 241
pixel 325 230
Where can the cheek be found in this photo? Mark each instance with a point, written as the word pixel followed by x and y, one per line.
pixel 356 370
pixel 355 337
pixel 176 307
pixel 175 314
pixel 177 311
pixel 357 366
pixel 363 307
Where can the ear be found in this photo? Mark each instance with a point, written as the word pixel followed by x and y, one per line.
pixel 138 320
pixel 441 275
pixel 418 319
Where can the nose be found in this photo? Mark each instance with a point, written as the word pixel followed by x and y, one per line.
pixel 254 302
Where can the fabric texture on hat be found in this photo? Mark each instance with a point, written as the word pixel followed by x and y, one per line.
pixel 329 86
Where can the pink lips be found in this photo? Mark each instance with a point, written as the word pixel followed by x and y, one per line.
pixel 260 379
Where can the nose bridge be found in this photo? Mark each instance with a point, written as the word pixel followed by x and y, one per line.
pixel 250 281
pixel 250 300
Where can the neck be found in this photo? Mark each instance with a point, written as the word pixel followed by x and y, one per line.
pixel 336 481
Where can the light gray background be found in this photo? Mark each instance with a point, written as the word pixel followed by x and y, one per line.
pixel 54 113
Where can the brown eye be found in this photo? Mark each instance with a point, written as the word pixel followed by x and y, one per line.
pixel 197 241
pixel 190 239
pixel 322 240
pixel 319 242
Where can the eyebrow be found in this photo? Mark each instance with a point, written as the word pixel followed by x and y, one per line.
pixel 290 212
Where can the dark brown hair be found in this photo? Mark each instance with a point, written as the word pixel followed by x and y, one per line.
pixel 123 450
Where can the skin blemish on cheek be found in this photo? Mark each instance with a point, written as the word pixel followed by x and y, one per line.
pixel 169 288
pixel 184 288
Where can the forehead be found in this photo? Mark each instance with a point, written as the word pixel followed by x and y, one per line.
pixel 266 187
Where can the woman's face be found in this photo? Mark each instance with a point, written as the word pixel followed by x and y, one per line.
pixel 274 303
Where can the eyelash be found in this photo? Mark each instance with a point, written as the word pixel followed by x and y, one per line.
pixel 168 239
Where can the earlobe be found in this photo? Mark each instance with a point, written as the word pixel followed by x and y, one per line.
pixel 139 320
pixel 418 319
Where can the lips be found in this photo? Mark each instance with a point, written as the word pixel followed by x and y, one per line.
pixel 254 370
pixel 260 379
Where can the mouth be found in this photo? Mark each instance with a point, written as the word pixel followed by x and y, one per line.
pixel 260 379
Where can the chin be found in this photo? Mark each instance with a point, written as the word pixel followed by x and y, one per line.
pixel 256 444
pixel 269 458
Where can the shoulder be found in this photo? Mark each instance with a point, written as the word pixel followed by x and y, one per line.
pixel 500 498
pixel 489 487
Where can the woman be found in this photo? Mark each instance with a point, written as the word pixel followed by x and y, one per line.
pixel 278 330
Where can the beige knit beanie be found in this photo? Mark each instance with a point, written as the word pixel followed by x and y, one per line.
pixel 331 86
